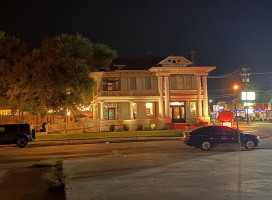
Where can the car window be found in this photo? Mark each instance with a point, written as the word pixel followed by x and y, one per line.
pixel 2 129
pixel 230 131
pixel 204 130
pixel 11 129
pixel 198 130
pixel 24 128
pixel 216 130
pixel 226 130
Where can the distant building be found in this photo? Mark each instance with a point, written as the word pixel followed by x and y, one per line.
pixel 5 108
pixel 171 90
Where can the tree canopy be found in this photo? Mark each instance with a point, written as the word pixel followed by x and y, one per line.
pixel 56 75
pixel 267 96
pixel 11 51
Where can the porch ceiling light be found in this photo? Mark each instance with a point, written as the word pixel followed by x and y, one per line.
pixel 175 104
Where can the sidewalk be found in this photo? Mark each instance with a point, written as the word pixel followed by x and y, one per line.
pixel 231 175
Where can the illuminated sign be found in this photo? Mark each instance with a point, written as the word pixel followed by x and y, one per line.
pixel 250 111
pixel 228 124
pixel 248 104
pixel 248 95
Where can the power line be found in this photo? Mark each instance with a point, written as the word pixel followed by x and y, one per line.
pixel 226 75
pixel 262 73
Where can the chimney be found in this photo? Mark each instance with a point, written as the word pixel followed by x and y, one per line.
pixel 192 57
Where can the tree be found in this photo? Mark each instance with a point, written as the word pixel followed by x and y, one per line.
pixel 267 97
pixel 11 51
pixel 57 75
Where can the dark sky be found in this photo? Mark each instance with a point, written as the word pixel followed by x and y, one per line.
pixel 229 34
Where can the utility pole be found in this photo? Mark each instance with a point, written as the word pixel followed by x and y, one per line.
pixel 245 79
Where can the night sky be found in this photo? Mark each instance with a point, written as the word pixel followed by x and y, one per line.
pixel 228 34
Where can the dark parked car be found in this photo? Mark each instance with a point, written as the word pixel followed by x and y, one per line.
pixel 207 137
pixel 19 134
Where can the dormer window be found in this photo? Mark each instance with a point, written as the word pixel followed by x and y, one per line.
pixel 169 60
pixel 174 61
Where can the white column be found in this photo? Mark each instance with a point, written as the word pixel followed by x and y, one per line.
pixel 199 104
pixel 205 97
pixel 131 109
pixel 166 88
pixel 101 110
pixel 94 111
pixel 188 112
pixel 99 85
pixel 161 111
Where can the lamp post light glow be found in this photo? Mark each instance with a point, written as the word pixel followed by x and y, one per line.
pixel 236 87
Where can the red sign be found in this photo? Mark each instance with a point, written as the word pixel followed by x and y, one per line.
pixel 225 116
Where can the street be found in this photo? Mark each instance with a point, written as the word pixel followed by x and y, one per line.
pixel 152 170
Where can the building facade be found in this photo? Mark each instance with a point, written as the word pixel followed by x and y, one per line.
pixel 173 91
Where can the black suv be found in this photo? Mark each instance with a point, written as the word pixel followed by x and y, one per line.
pixel 19 134
pixel 208 136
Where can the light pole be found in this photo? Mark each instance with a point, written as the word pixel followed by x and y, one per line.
pixel 236 88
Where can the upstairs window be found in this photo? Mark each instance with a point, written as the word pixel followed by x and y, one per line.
pixel 189 82
pixel 148 83
pixel 180 82
pixel 111 84
pixel 133 84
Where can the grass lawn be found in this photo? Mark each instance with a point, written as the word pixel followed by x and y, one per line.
pixel 58 139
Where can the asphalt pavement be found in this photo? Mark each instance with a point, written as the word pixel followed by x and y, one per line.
pixel 231 175
pixel 218 174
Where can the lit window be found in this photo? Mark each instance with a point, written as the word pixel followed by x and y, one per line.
pixel 193 107
pixel 111 84
pixel 149 108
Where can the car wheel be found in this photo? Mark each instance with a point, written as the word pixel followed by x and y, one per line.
pixel 250 144
pixel 206 145
pixel 270 120
pixel 22 142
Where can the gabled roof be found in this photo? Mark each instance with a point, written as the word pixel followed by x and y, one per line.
pixel 175 61
pixel 139 63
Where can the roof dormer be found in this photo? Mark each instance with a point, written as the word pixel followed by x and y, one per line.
pixel 172 61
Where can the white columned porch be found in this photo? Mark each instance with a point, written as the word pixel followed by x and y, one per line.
pixel 101 110
pixel 131 109
pixel 166 88
pixel 199 104
pixel 161 111
pixel 205 97
pixel 94 111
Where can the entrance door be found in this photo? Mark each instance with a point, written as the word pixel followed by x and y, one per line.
pixel 178 114
pixel 111 113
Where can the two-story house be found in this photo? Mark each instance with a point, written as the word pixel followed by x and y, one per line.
pixel 173 91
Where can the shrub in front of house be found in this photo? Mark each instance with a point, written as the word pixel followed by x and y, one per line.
pixel 125 127
pixel 152 126
pixel 112 127
pixel 139 127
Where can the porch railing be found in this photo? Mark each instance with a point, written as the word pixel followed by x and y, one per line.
pixel 129 93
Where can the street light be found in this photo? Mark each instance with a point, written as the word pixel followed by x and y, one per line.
pixel 236 88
